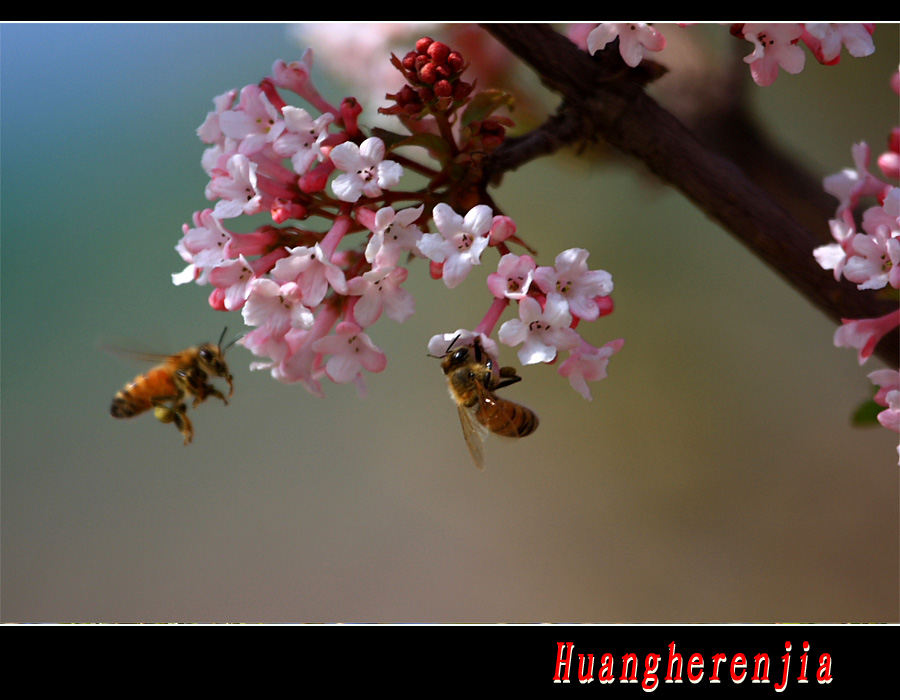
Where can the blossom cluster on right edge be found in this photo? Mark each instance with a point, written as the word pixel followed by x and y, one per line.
pixel 866 252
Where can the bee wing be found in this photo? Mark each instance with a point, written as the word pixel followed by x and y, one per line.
pixel 128 352
pixel 474 433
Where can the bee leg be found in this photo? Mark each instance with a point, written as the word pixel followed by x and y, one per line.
pixel 507 376
pixel 176 413
pixel 184 425
pixel 196 381
pixel 205 390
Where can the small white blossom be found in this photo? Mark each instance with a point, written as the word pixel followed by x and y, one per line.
pixel 542 332
pixel 365 170
pixel 379 290
pixel 588 364
pixel 302 136
pixel 350 351
pixel 580 286
pixel 394 233
pixel 461 240
pixel 309 268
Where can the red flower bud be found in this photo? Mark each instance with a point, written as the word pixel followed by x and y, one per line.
pixel 428 73
pixel 443 88
pixel 455 61
pixel 423 44
pixel 438 52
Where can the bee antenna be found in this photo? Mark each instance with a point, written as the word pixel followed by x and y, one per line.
pixel 478 349
pixel 232 341
pixel 222 337
pixel 452 343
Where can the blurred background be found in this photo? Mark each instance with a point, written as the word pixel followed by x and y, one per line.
pixel 715 476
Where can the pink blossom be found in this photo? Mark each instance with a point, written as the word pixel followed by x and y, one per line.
pixel 312 272
pixel 891 417
pixel 302 364
pixel 825 40
pixel 210 131
pixel 234 276
pixel 290 357
pixel 379 289
pixel 634 39
pixel 236 186
pixel 278 307
pixel 542 331
pixel 296 76
pixel 887 380
pixel 261 341
pixel 460 242
pixel 774 45
pixel 208 245
pixel 365 170
pixel 587 363
pixel 887 215
pixel 513 277
pixel 833 256
pixel 849 186
pixel 203 246
pixel 578 285
pixel 864 334
pixel 191 272
pixel 351 350
pixel 888 395
pixel 212 159
pixel 294 359
pixel 893 246
pixel 302 137
pixel 869 264
pixel 254 123
pixel 393 234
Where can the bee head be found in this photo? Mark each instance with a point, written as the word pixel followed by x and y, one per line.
pixel 212 357
pixel 472 355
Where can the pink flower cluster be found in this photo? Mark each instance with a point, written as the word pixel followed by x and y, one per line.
pixel 307 299
pixel 866 229
pixel 327 254
pixel 551 302
pixel 775 45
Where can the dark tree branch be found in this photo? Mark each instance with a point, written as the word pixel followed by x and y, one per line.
pixel 602 99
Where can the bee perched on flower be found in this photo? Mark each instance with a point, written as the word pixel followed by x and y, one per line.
pixel 472 379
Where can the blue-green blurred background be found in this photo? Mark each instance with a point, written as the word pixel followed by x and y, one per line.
pixel 713 478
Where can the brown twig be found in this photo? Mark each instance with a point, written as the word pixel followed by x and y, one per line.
pixel 601 100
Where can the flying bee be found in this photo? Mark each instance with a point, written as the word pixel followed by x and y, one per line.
pixel 165 386
pixel 472 380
